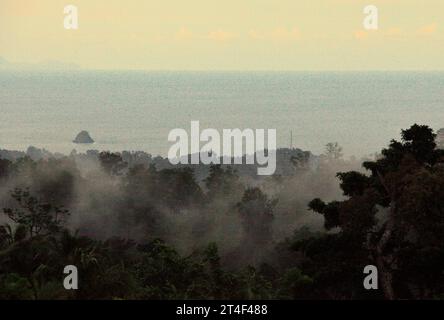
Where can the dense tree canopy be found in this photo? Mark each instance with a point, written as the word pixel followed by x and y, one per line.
pixel 391 215
pixel 395 215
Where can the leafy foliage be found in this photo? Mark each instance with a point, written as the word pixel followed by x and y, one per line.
pixel 391 216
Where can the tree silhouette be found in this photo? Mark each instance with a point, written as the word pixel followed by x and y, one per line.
pixel 406 184
pixel 38 218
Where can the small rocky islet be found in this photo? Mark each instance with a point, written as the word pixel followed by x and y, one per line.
pixel 83 137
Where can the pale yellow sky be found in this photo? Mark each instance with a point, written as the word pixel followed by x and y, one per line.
pixel 226 35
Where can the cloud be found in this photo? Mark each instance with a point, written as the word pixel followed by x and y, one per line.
pixel 22 8
pixel 361 34
pixel 216 35
pixel 280 34
pixel 285 34
pixel 184 34
pixel 220 35
pixel 255 35
pixel 427 30
pixel 394 32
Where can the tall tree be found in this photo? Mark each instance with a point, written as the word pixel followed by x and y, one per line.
pixel 405 188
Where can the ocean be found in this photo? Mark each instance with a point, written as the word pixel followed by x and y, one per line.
pixel 362 111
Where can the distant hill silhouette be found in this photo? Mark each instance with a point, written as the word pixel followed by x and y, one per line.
pixel 47 65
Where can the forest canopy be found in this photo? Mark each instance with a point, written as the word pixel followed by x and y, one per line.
pixel 137 230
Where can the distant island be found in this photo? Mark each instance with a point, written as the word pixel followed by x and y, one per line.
pixel 45 65
pixel 83 137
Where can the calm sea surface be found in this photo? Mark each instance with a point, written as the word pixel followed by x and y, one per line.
pixel 136 110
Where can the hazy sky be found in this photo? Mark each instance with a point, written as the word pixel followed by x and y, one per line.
pixel 226 35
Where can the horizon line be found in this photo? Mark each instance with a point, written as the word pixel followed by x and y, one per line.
pixel 216 70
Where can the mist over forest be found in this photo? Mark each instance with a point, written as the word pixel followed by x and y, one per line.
pixel 136 196
pixel 138 227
